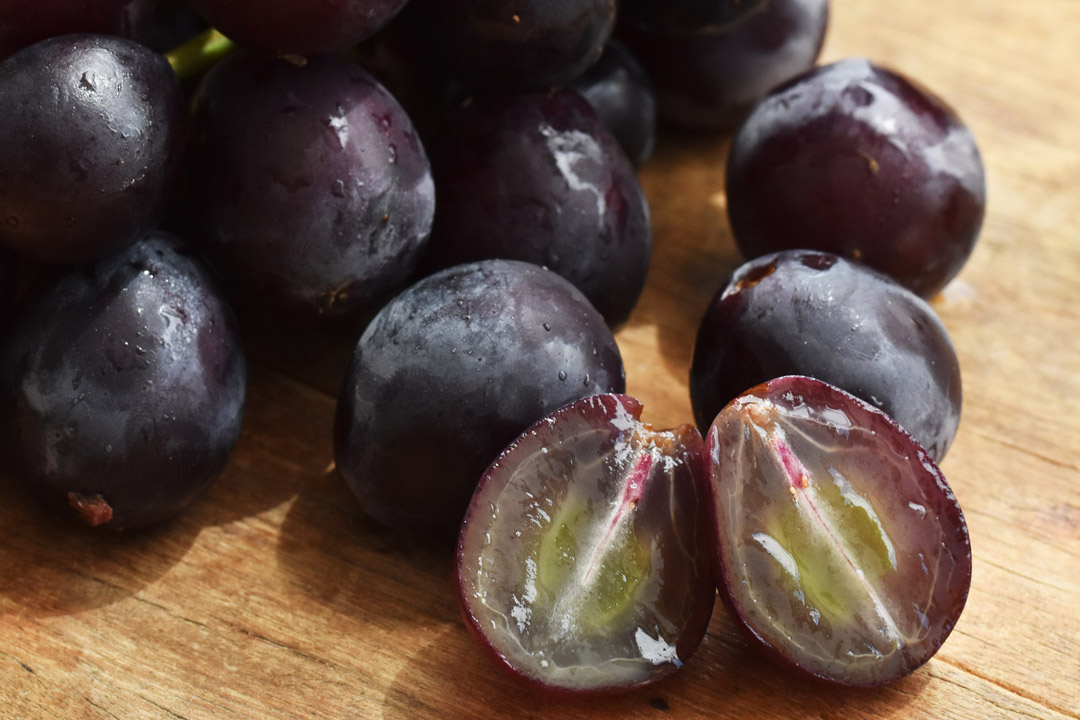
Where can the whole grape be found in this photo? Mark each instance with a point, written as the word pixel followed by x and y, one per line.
pixel 311 190
pixel 122 386
pixel 91 133
pixel 810 313
pixel 857 160
pixel 711 80
pixel 538 177
pixel 453 369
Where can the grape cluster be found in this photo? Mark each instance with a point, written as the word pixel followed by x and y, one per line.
pixel 462 174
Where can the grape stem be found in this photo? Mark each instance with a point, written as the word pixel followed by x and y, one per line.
pixel 194 57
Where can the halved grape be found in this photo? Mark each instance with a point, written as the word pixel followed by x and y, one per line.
pixel 584 559
pixel 842 550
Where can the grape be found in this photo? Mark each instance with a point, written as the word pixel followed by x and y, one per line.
pixel 313 193
pixel 856 160
pixel 453 369
pixel 25 22
pixel 122 386
pixel 812 313
pixel 523 44
pixel 537 177
pixel 842 551
pixel 108 120
pixel 687 16
pixel 619 90
pixel 712 80
pixel 585 557
pixel 298 26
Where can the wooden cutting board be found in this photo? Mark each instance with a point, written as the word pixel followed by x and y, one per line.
pixel 274 597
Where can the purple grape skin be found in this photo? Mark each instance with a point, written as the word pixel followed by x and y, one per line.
pixel 686 16
pixel 25 22
pixel 93 175
pixel 123 379
pixel 856 160
pixel 314 194
pixel 523 44
pixel 298 26
pixel 710 81
pixel 538 177
pixel 618 88
pixel 816 314
pixel 449 372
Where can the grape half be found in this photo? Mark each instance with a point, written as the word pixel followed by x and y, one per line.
pixel 584 562
pixel 842 550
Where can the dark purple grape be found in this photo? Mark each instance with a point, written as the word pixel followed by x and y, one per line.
pixel 91 131
pixel 312 192
pixel 816 314
pixel 686 16
pixel 619 90
pixel 842 551
pixel 712 80
pixel 298 26
pixel 452 370
pixel 856 160
pixel 25 22
pixel 585 558
pixel 122 386
pixel 537 177
pixel 523 44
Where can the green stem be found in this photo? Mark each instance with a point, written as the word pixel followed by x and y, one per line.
pixel 199 54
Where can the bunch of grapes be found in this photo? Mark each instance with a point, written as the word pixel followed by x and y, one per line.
pixel 463 175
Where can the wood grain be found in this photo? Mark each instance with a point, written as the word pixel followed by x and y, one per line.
pixel 274 597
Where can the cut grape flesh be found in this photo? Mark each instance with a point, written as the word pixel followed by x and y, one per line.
pixel 842 550
pixel 584 562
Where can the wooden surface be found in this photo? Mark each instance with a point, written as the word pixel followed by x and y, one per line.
pixel 275 598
